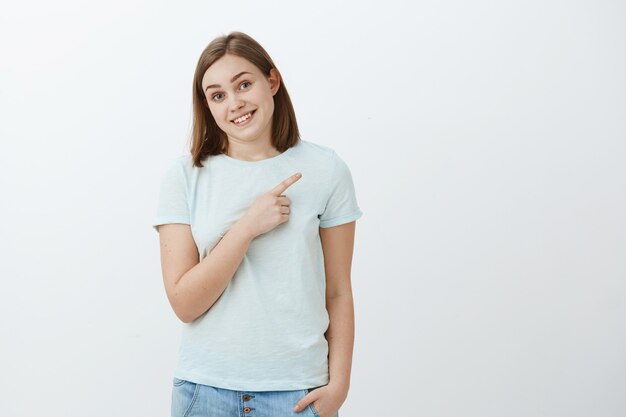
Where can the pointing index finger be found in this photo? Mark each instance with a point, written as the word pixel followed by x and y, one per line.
pixel 280 188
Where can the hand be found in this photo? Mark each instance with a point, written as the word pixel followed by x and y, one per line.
pixel 269 209
pixel 326 400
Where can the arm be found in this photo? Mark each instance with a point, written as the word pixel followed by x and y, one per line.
pixel 338 245
pixel 192 287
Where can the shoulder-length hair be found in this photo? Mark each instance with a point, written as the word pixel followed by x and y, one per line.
pixel 206 137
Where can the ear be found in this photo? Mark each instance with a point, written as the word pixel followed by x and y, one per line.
pixel 274 80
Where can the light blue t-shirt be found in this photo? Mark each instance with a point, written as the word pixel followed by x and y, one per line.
pixel 266 331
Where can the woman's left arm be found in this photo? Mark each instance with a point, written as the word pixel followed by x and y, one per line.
pixel 338 246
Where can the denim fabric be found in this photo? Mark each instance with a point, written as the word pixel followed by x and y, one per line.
pixel 190 399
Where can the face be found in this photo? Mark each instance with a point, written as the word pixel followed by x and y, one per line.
pixel 234 87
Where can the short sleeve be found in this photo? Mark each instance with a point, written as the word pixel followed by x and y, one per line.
pixel 341 205
pixel 172 203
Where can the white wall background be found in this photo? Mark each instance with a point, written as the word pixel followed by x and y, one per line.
pixel 487 142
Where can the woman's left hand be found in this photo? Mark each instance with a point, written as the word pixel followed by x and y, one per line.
pixel 326 400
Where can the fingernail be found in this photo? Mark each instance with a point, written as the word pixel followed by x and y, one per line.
pixel 295 408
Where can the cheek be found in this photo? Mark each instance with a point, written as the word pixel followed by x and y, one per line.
pixel 215 112
pixel 265 99
pixel 270 105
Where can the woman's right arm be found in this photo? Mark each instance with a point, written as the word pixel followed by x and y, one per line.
pixel 193 286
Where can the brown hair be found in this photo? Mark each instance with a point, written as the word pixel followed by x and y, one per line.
pixel 206 137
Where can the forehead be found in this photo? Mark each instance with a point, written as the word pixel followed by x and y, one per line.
pixel 225 68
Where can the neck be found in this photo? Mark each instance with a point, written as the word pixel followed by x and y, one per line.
pixel 250 151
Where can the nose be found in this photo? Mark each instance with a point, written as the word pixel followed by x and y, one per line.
pixel 236 104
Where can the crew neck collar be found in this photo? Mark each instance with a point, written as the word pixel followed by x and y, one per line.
pixel 256 163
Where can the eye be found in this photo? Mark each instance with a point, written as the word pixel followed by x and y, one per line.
pixel 245 82
pixel 215 95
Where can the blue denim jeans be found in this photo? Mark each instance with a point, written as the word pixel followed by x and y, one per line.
pixel 196 400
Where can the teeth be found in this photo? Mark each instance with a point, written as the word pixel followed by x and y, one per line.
pixel 242 118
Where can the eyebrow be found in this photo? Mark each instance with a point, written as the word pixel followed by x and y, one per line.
pixel 231 80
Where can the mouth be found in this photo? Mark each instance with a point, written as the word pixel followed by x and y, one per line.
pixel 245 119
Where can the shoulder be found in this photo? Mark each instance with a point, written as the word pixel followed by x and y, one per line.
pixel 328 158
pixel 186 161
pixel 177 168
pixel 178 161
pixel 322 155
pixel 182 163
pixel 315 148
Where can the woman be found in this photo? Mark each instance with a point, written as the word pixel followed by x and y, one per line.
pixel 256 231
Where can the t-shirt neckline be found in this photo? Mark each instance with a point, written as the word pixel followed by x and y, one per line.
pixel 256 163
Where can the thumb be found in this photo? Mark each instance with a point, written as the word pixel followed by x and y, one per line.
pixel 304 402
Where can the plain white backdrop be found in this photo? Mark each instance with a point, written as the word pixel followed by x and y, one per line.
pixel 487 143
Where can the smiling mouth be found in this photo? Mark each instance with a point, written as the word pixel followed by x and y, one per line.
pixel 243 119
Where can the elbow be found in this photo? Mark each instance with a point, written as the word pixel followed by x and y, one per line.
pixel 179 310
pixel 185 319
pixel 183 315
pixel 177 302
pixel 186 316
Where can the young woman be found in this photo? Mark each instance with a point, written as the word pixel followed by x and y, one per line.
pixel 256 231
